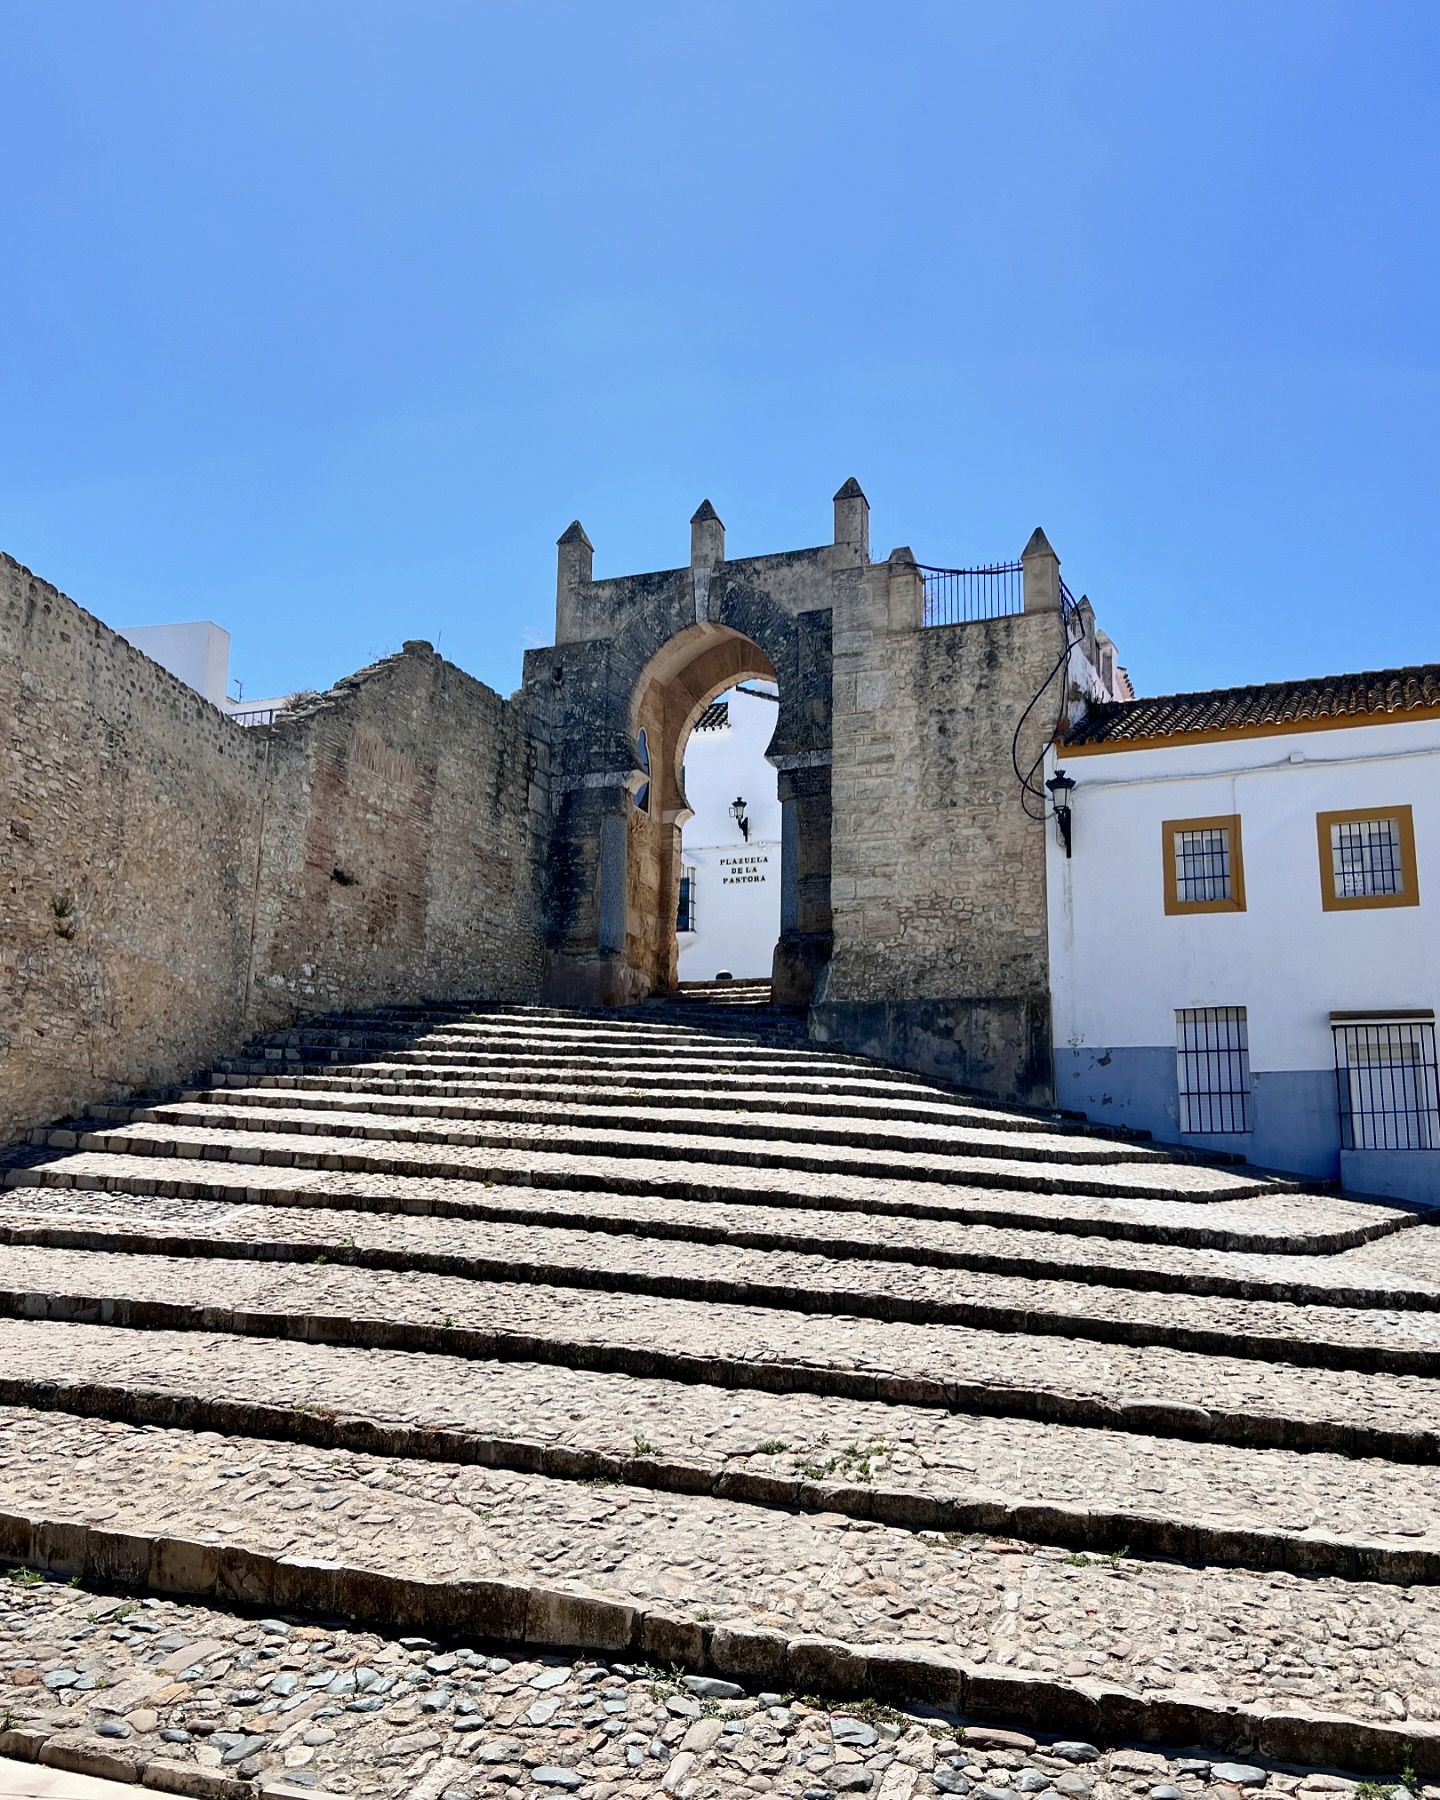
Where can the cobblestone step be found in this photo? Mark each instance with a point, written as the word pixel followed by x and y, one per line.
pixel 41 1214
pixel 802 1093
pixel 803 1601
pixel 1092 1490
pixel 180 1160
pixel 1205 1397
pixel 650 1044
pixel 969 1136
pixel 649 1162
pixel 815 1099
pixel 1395 1341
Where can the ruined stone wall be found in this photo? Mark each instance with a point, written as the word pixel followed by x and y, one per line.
pixel 938 875
pixel 154 856
pixel 128 846
pixel 400 844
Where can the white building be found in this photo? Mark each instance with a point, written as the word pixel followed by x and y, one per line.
pixel 1245 941
pixel 730 880
pixel 198 654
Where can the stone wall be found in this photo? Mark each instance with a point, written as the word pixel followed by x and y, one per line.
pixel 400 844
pixel 938 875
pixel 170 881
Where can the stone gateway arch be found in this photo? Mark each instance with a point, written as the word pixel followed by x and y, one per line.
pixel 912 880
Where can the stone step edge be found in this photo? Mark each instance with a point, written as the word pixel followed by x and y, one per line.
pixel 654 1096
pixel 354 1158
pixel 661 1088
pixel 615 1109
pixel 1247 1429
pixel 111 1770
pixel 833 1245
pixel 780 1294
pixel 1103 1531
pixel 29 1169
pixel 510 1612
pixel 401 1120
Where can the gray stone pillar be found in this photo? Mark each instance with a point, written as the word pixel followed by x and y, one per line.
pixel 805 923
pixel 789 866
pixel 707 537
pixel 574 566
pixel 1040 574
pixel 614 884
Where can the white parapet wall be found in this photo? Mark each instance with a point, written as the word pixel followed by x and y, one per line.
pixel 197 654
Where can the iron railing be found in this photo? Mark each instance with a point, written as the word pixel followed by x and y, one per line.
pixel 958 596
pixel 1386 1084
pixel 257 715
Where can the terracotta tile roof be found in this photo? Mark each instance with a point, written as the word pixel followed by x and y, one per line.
pixel 715 717
pixel 1270 706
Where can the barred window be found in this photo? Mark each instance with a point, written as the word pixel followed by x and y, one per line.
pixel 1203 867
pixel 1368 858
pixel 685 918
pixel 1385 1082
pixel 1212 1062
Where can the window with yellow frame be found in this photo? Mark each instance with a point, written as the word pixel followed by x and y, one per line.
pixel 1204 865
pixel 1367 858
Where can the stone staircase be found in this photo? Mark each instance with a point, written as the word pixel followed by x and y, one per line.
pixel 663 1336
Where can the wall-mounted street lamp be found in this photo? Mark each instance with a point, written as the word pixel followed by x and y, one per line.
pixel 737 813
pixel 1061 787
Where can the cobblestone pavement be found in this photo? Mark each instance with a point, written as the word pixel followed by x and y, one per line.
pixel 125 1686
pixel 661 1337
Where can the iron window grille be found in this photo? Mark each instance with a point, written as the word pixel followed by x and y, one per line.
pixel 1212 1062
pixel 1385 1083
pixel 1367 858
pixel 1202 866
pixel 685 917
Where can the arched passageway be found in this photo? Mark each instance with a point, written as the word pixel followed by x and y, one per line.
pixel 673 692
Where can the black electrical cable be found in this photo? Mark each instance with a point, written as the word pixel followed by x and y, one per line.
pixel 1028 789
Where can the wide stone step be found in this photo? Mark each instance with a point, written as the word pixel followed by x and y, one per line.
pixel 1094 1490
pixel 167 1159
pixel 971 1135
pixel 644 1045
pixel 48 1214
pixel 801 1601
pixel 1394 1340
pixel 728 1094
pixel 633 1161
pixel 1215 1397
pixel 863 1097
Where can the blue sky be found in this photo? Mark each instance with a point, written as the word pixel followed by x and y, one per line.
pixel 322 318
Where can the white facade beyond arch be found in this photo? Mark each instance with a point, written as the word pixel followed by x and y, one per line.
pixel 734 882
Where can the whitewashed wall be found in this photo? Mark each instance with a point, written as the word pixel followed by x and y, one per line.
pixel 1120 967
pixel 737 884
pixel 197 654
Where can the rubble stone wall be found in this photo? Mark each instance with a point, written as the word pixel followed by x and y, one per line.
pixel 170 881
pixel 938 875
